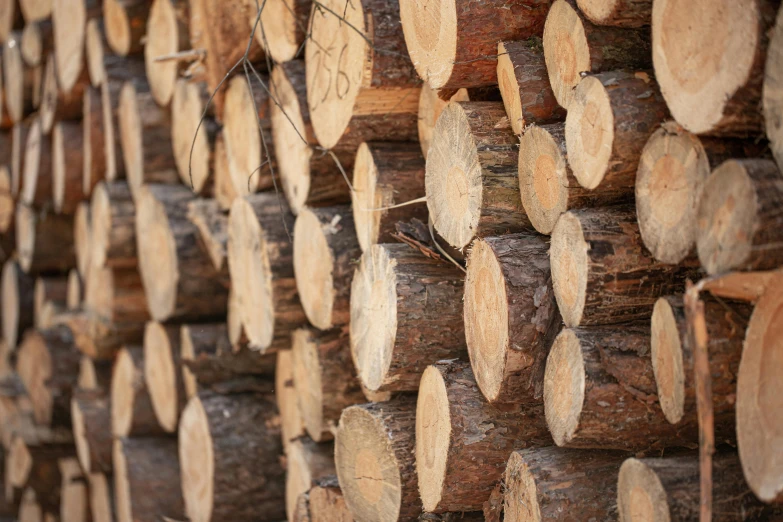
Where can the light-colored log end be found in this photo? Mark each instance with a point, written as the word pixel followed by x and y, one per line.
pixel 197 461
pixel 117 27
pixel 569 260
pixel 192 152
pixel 667 361
pixel 314 264
pixel 430 107
pixel 430 30
pixel 640 495
pixel 82 235
pixel 307 378
pixel 34 366
pixel 160 375
pixel 566 51
pixel 162 39
pixel 242 137
pixel 122 393
pixel 433 437
pixel 69 20
pixel 564 387
pixel 10 303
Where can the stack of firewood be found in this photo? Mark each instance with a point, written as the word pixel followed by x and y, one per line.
pixel 377 260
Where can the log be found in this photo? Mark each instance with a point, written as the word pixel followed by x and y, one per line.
pixel 285 28
pixel 511 317
pixel 673 360
pixel 617 13
pixel 601 272
pixel 473 191
pixel 48 365
pixel 306 462
pixel 93 140
pixel 95 375
pixel 430 108
pixel 36 10
pixel 82 239
pixel 7 209
pixel 37 42
pixel 386 175
pixel 324 378
pixel 405 315
pixel 758 437
pixel 113 238
pixel 95 51
pixel 132 414
pixel 208 359
pixel 327 503
pixel 739 217
pixel 179 279
pixel 48 298
pixel 308 174
pixel 44 241
pixel 247 137
pixel 37 468
pixel 73 492
pixel 112 135
pixel 458 464
pixel 573 46
pixel 91 419
pixel 70 24
pixel 260 256
pixel 291 419
pixel 36 189
pixel 673 169
pixel 10 18
pixel 74 294
pixel 67 167
pixel 211 425
pixel 772 101
pixel 546 183
pixel 163 373
pixel 545 483
pixel 18 141
pixel 166 34
pixel 101 498
pixel 600 392
pixel 368 90
pixel 192 137
pixel 18 298
pixel 145 133
pixel 709 63
pixel 29 509
pixel 325 249
pixel 454 44
pixel 147 479
pixel 374 458
pixel 670 487
pixel 611 117
pixel 17 79
pixel 126 23
pixel 524 84
pixel 224 192
pixel 57 104
pixel 212 225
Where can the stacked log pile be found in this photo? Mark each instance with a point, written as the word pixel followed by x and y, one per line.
pixel 329 260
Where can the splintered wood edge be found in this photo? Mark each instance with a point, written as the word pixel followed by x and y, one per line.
pixel 564 386
pixel 280 29
pixel 314 268
pixel 640 494
pixel 430 30
pixel 666 351
pixel 726 218
pixel 570 265
pixel 100 210
pixel 702 55
pixel 10 303
pixel 509 90
pixel 130 137
pixel 453 178
pixel 162 39
pixel 157 253
pixel 95 52
pixel 759 395
pixel 289 132
pixel 373 324
pixel 367 467
pixel 34 366
pixel 122 393
pixel 160 375
pixel 117 27
pixel 25 236
pixel 543 178
pixel 433 437
pixel 82 238
pixel 672 170
pixel 123 503
pixel 520 500
pixel 186 111
pixel 197 461
pixel 589 132
pixel 307 380
pixel 366 196
pixel 486 318
pixel 69 20
pixel 241 136
pixel 566 51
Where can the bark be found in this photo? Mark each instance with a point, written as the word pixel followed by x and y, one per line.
pixel 44 241
pixel 58 104
pixel 524 84
pixel 19 133
pixel 544 483
pixel 480 441
pixel 93 140
pixel 45 477
pixel 18 298
pixel 95 447
pixel 526 300
pixel 617 13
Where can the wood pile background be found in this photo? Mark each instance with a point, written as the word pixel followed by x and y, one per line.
pixel 378 260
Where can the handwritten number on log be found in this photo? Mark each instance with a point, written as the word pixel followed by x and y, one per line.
pixel 341 74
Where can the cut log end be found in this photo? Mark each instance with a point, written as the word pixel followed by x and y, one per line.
pixel 160 375
pixel 640 495
pixel 672 171
pixel 187 108
pixel 431 37
pixel 430 108
pixel 373 316
pixel 157 253
pixel 32 44
pixel 100 210
pixel 454 180
pixel 282 29
pixel 486 319
pixel 521 495
pixel 82 235
pixel 367 196
pixel 100 498
pixel 130 135
pixel 367 467
pixel 314 265
pixel 241 137
pixel 566 51
pixel 36 145
pixel 667 361
pixel 618 13
pixel 69 22
pixel 29 509
pixel 117 26
pixel 589 131
pixel 433 435
pixel 7 203
pixel 94 51
pixel 80 434
pixel 569 259
pixel 760 397
pixel 197 461
pixel 122 493
pixel 25 236
pixel 543 178
pixel 14 78
pixel 122 395
pixel 19 463
pixel 11 303
pixel 772 93
pixel 307 372
pixel 66 166
pixel 564 387
pixel 162 39
pixel 73 297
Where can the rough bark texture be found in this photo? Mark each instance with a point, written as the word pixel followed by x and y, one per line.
pixel 93 140
pixel 21 299
pixel 481 438
pixel 96 417
pixel 239 454
pixel 51 247
pixel 119 249
pixel 543 484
